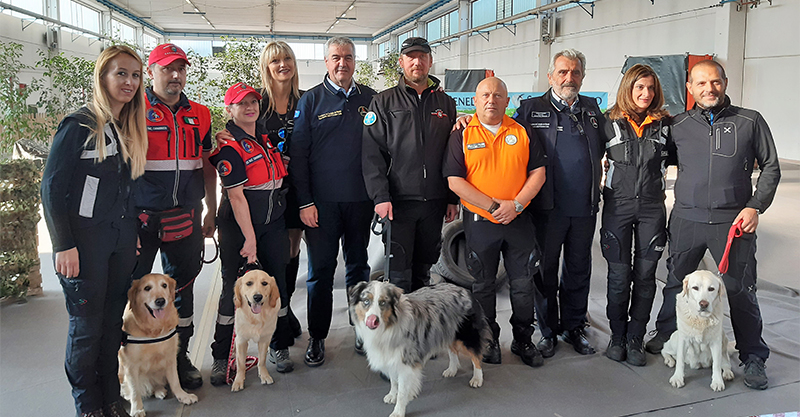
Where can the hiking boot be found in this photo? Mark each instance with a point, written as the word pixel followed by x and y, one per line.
pixel 655 344
pixel 755 373
pixel 219 372
pixel 492 354
pixel 115 409
pixel 528 352
pixel 281 360
pixel 636 355
pixel 616 348
pixel 188 374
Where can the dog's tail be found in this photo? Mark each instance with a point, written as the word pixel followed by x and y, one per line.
pixel 474 331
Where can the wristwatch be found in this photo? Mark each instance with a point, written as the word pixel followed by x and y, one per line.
pixel 518 207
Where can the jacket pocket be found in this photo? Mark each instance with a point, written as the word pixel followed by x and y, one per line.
pixel 89 196
pixel 724 141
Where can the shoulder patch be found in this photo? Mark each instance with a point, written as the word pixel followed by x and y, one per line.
pixel 247 146
pixel 154 115
pixel 224 168
pixel 511 139
pixel 370 118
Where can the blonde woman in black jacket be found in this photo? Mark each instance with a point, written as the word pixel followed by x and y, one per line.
pixel 87 197
pixel 633 235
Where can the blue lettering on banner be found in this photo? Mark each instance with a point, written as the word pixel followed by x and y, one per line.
pixel 465 102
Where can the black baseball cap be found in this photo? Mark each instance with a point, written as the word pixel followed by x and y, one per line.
pixel 415 44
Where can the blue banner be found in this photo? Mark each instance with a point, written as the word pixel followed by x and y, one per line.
pixel 465 102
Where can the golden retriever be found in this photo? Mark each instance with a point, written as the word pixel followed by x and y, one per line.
pixel 146 368
pixel 257 302
pixel 700 341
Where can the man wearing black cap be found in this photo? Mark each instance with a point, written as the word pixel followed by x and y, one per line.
pixel 405 136
pixel 177 176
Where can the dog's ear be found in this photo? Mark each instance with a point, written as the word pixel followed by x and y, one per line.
pixel 134 288
pixel 237 293
pixel 274 294
pixel 685 286
pixel 721 287
pixel 171 283
pixel 354 292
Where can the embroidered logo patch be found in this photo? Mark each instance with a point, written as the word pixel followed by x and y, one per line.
pixel 594 122
pixel 154 115
pixel 370 118
pixel 224 168
pixel 472 146
pixel 247 146
pixel 511 140
pixel 439 113
pixel 362 110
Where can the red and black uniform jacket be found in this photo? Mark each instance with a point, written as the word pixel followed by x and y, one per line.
pixel 256 165
pixel 174 171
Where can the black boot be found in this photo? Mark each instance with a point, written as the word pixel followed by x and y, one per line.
pixel 188 374
pixel 492 354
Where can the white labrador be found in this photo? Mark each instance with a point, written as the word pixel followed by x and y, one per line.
pixel 700 341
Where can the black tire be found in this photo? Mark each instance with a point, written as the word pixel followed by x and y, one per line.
pixel 452 265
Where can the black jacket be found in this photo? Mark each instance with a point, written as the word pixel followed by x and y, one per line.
pixel 77 191
pixel 715 164
pixel 405 137
pixel 636 165
pixel 540 113
pixel 326 145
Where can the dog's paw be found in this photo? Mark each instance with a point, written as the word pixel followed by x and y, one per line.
pixel 476 382
pixel 669 361
pixel 139 413
pixel 160 393
pixel 677 381
pixel 717 386
pixel 449 373
pixel 238 385
pixel 397 414
pixel 266 378
pixel 727 374
pixel 390 398
pixel 186 398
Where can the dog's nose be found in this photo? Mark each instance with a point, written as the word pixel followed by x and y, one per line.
pixel 258 297
pixel 160 302
pixel 704 304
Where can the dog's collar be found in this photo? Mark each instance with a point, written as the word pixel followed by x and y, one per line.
pixel 126 338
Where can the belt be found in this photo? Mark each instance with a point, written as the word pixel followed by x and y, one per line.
pixel 474 216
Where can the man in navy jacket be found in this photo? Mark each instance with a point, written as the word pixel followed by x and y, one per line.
pixel 325 169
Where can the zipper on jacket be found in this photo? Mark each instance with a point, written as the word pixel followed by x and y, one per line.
pixel 272 179
pixel 184 141
pixel 177 160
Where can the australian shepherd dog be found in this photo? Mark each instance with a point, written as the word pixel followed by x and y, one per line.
pixel 402 331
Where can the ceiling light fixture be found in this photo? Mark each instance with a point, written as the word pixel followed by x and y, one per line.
pixel 343 16
pixel 198 12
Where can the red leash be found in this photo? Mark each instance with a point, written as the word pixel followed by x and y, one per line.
pixel 736 231
pixel 250 362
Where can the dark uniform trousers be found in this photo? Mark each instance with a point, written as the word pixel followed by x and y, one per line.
pixel 642 225
pixel 416 241
pixel 688 243
pixel 569 297
pixel 95 301
pixel 182 260
pixel 272 250
pixel 349 222
pixel 485 242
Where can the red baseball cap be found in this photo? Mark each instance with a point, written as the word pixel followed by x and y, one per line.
pixel 239 91
pixel 165 54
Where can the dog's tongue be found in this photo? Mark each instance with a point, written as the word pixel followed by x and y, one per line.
pixel 372 322
pixel 159 314
pixel 255 308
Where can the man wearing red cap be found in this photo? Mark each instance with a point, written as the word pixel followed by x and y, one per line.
pixel 177 177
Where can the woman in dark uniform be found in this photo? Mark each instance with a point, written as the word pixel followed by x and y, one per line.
pixel 634 215
pixel 87 190
pixel 250 221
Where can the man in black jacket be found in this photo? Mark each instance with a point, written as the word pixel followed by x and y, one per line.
pixel 571 128
pixel 325 169
pixel 708 201
pixel 405 136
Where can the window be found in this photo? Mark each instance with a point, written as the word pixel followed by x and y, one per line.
pixel 483 12
pixel 79 15
pixel 384 48
pixel 443 26
pixel 149 42
pixel 362 52
pixel 402 37
pixel 35 6
pixel 453 18
pixel 307 51
pixel 123 32
pixel 435 29
pixel 523 5
pixel 202 48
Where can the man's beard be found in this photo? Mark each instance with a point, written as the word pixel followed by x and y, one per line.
pixel 566 93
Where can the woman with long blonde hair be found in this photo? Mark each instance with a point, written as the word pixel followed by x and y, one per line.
pixel 279 95
pixel 634 234
pixel 87 188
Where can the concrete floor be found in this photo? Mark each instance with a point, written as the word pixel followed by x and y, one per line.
pixel 32 340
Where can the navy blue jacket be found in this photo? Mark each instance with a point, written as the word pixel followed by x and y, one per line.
pixel 325 154
pixel 540 113
pixel 77 191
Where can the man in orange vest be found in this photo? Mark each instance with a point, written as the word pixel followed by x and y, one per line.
pixel 497 166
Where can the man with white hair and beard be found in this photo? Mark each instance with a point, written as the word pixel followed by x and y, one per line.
pixel 570 127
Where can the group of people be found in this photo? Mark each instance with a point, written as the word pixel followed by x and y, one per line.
pixel 128 173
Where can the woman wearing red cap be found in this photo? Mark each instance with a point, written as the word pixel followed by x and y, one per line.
pixel 87 186
pixel 250 219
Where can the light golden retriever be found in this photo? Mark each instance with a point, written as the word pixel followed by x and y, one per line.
pixel 257 302
pixel 146 368
pixel 700 341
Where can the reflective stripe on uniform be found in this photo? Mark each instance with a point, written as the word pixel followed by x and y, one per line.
pixel 224 320
pixel 89 196
pixel 185 321
pixel 170 165
pixel 617 139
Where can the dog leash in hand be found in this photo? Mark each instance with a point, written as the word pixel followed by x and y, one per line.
pixel 385 229
pixel 734 232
